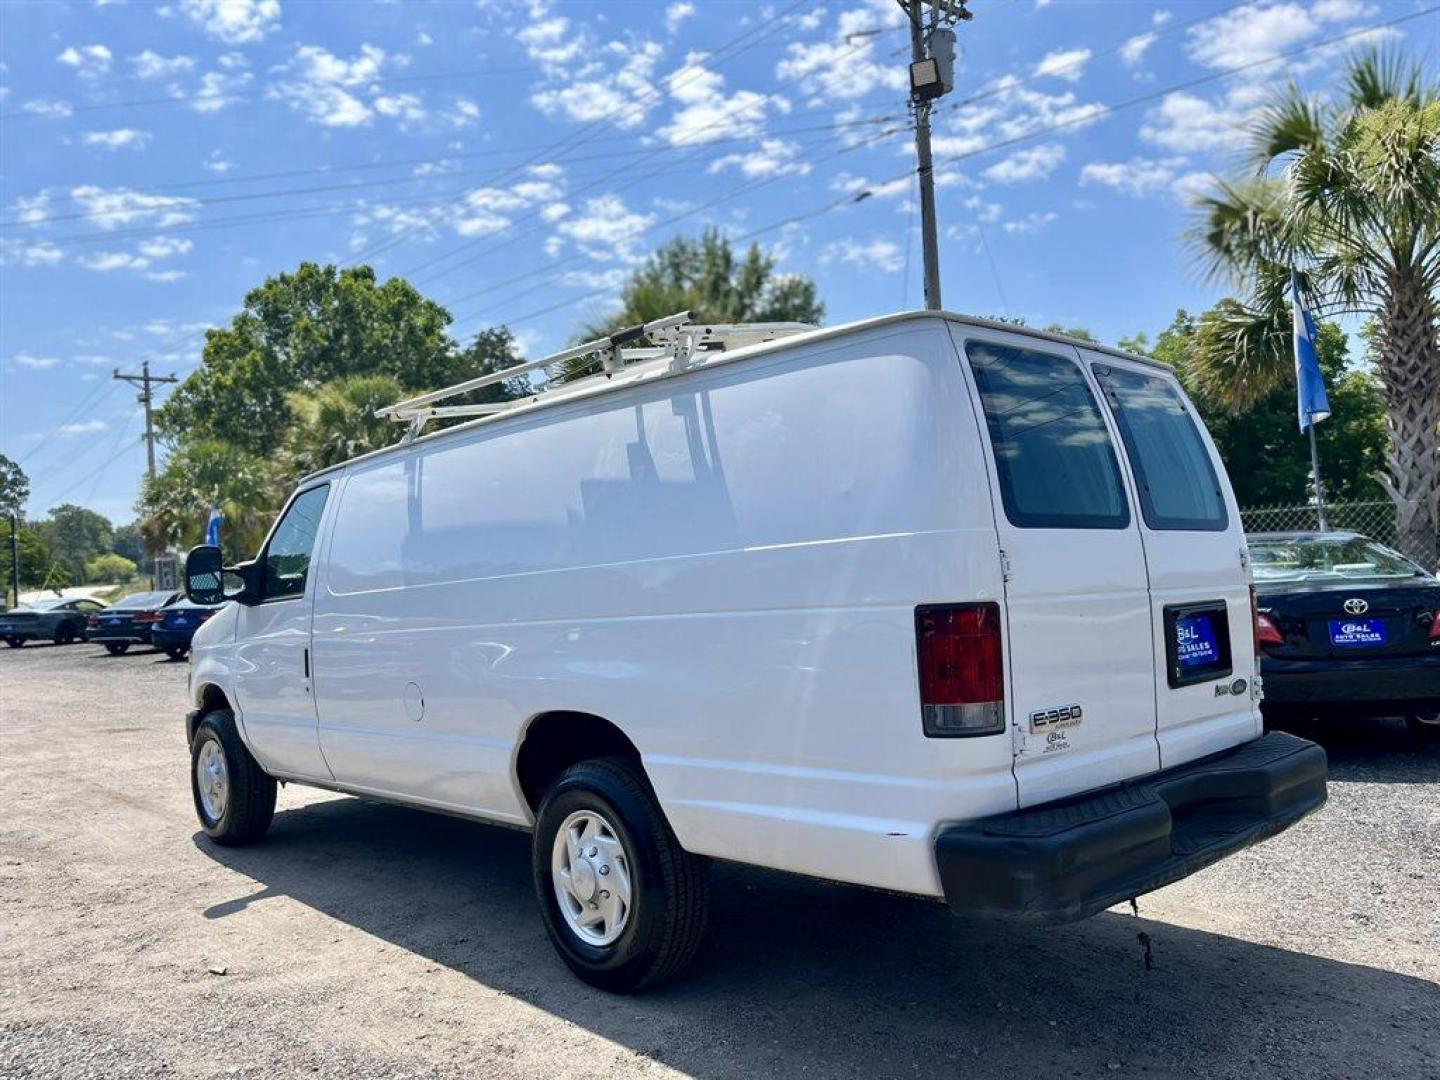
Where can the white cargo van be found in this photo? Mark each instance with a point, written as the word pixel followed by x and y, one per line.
pixel 926 603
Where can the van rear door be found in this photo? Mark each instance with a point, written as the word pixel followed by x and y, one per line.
pixel 1080 658
pixel 1195 552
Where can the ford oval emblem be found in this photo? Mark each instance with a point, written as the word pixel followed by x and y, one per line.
pixel 1357 605
pixel 1238 686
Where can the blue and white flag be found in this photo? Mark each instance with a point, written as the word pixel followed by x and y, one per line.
pixel 1309 384
pixel 212 527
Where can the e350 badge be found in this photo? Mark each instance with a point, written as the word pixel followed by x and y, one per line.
pixel 1066 716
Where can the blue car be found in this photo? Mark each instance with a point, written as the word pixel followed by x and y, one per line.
pixel 177 625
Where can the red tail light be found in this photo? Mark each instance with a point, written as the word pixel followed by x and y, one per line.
pixel 92 620
pixel 1266 632
pixel 206 614
pixel 962 679
pixel 1435 627
pixel 149 616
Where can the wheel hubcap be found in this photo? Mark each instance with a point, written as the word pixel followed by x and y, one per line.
pixel 212 780
pixel 591 873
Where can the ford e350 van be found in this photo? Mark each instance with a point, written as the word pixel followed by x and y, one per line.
pixel 925 603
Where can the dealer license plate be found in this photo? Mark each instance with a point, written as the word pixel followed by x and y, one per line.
pixel 1357 633
pixel 1195 642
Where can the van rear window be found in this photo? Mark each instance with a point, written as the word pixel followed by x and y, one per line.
pixel 1179 489
pixel 1053 455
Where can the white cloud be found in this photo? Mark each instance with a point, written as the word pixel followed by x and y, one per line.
pixel 91 61
pixel 877 254
pixel 1189 124
pixel 39 363
pixel 705 113
pixel 163 247
pixel 613 81
pixel 1068 64
pixel 1260 30
pixel 1193 185
pixel 1133 51
pixel 1031 223
pixel 843 65
pixel 773 157
pixel 235 22
pixel 606 229
pixel 48 108
pixel 83 427
pixel 677 13
pixel 1032 163
pixel 151 65
pixel 27 253
pixel 218 90
pixel 1139 176
pixel 406 107
pixel 118 139
pixel 106 261
pixel 217 163
pixel 326 87
pixel 109 208
pixel 1160 18
pixel 464 113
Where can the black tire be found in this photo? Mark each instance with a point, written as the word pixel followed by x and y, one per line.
pixel 15 642
pixel 250 802
pixel 670 887
pixel 64 634
pixel 176 652
pixel 115 648
pixel 1424 727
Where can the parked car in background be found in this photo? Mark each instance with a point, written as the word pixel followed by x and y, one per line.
pixel 130 621
pixel 52 619
pixel 178 624
pixel 1346 627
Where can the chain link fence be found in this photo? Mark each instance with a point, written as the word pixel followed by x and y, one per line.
pixel 1375 519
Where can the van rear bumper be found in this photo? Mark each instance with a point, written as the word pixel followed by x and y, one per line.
pixel 1064 860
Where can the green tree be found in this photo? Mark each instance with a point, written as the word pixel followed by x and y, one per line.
pixel 75 535
pixel 110 569
pixel 705 277
pixel 14 488
pixel 35 560
pixel 295 333
pixel 1346 193
pixel 338 422
pixel 175 505
pixel 1266 456
pixel 128 542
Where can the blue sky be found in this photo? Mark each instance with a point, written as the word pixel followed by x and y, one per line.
pixel 516 160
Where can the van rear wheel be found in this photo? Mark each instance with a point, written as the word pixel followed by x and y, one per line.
pixel 624 904
pixel 234 797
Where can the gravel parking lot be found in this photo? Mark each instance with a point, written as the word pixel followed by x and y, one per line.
pixel 365 940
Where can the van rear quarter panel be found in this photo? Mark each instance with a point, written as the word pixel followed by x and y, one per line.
pixel 724 564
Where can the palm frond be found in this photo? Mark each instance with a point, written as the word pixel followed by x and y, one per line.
pixel 1241 352
pixel 1291 124
pixel 1374 76
pixel 1245 226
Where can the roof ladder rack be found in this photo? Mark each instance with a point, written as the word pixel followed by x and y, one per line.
pixel 673 337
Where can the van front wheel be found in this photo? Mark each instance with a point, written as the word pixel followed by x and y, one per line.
pixel 625 905
pixel 234 797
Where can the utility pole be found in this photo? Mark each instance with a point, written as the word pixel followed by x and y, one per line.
pixel 146 382
pixel 15 554
pixel 932 75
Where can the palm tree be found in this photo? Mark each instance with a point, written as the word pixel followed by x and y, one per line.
pixel 1346 193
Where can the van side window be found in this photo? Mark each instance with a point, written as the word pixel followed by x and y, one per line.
pixel 1053 454
pixel 287 557
pixel 1173 470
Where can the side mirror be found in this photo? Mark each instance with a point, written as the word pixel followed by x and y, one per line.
pixel 205 575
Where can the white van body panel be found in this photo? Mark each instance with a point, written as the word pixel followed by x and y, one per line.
pixel 724 563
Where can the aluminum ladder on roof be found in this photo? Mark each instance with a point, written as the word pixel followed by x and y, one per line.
pixel 673 337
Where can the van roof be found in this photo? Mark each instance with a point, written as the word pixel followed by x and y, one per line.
pixel 650 370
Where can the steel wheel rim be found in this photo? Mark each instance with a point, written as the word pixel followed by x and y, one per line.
pixel 212 779
pixel 590 871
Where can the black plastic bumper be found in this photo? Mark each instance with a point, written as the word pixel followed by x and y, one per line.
pixel 1352 682
pixel 1068 859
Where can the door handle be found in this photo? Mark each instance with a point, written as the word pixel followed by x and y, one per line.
pixel 305 660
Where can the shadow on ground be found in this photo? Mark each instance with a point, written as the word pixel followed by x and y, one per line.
pixel 806 978
pixel 1380 750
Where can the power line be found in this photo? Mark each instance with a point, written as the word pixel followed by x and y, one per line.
pixel 98 393
pixel 1100 112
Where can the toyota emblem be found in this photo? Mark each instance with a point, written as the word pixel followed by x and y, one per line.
pixel 1357 605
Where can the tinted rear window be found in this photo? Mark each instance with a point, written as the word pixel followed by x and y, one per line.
pixel 1179 488
pixel 1056 465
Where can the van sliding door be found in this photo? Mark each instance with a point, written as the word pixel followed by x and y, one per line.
pixel 1080 657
